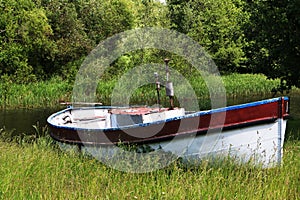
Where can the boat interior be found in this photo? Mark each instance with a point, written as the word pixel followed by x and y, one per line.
pixel 99 118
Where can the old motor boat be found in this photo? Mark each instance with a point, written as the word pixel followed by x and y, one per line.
pixel 247 131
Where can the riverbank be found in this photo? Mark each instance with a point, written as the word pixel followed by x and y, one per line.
pixel 50 93
pixel 35 95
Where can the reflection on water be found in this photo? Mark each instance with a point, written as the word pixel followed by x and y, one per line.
pixel 22 119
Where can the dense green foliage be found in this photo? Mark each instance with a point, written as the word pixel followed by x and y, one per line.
pixel 44 38
pixel 273 33
pixel 216 25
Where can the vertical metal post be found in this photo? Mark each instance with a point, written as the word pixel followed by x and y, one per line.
pixel 280 124
pixel 167 68
pixel 169 85
pixel 157 89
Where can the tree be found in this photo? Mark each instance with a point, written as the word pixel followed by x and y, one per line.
pixel 216 25
pixel 146 13
pixel 104 18
pixel 71 42
pixel 25 39
pixel 273 34
pixel 292 53
pixel 152 13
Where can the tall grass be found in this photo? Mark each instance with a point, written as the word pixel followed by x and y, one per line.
pixel 39 171
pixel 248 84
pixel 48 93
pixel 235 85
pixel 39 94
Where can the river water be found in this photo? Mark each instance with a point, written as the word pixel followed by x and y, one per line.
pixel 22 120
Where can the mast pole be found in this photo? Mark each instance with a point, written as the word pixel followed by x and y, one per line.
pixel 157 89
pixel 169 85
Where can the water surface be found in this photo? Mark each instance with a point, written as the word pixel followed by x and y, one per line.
pixel 22 120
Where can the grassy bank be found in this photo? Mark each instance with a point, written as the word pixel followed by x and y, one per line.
pixel 40 171
pixel 35 95
pixel 49 93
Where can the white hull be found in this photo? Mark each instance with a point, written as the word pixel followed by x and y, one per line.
pixel 261 145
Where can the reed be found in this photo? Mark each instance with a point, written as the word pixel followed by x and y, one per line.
pixel 235 85
pixel 49 93
pixel 249 84
pixel 39 94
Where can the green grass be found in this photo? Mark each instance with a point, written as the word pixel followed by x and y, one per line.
pixel 41 171
pixel 35 95
pixel 49 93
pixel 235 85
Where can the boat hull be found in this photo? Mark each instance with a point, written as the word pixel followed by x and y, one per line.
pixel 249 132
